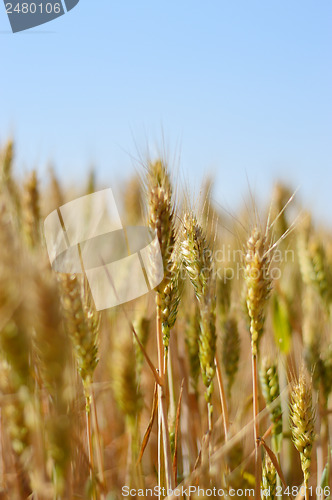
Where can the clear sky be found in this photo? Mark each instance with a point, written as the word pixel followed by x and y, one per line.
pixel 241 88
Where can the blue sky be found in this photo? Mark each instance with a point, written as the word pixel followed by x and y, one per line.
pixel 241 88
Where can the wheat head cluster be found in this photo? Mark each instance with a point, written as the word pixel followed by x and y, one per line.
pixel 220 378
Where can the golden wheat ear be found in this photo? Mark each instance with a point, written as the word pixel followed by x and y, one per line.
pixel 31 211
pixel 133 201
pixel 82 327
pixel 302 420
pixel 258 283
pixel 161 221
pixel 269 479
pixel 161 207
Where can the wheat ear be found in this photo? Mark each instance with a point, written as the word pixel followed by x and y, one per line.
pixel 197 258
pixel 302 416
pixel 258 287
pixel 82 324
pixel 161 221
pixel 269 479
pixel 271 391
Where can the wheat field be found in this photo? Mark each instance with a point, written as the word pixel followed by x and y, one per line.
pixel 215 384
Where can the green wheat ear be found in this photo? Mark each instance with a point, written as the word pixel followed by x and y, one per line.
pixel 224 288
pixel 271 391
pixel 314 266
pixel 170 296
pixel 230 342
pixel 197 259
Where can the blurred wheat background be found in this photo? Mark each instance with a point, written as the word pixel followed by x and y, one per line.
pixel 220 377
